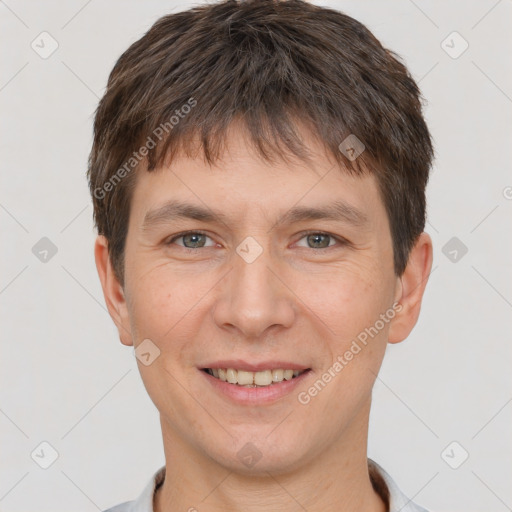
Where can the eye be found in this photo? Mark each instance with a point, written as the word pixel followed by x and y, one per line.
pixel 320 240
pixel 191 240
pixel 197 239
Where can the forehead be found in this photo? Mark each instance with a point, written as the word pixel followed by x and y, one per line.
pixel 241 183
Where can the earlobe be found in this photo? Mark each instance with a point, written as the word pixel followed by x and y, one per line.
pixel 411 288
pixel 112 291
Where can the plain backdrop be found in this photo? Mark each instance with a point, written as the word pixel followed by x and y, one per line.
pixel 66 380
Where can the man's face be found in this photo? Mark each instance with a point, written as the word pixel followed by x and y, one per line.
pixel 259 288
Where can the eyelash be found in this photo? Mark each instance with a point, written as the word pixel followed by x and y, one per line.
pixel 341 241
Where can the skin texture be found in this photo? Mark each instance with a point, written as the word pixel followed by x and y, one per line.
pixel 296 302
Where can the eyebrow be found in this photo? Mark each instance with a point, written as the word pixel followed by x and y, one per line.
pixel 172 210
pixel 338 210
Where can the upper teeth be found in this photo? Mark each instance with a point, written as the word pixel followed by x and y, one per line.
pixel 243 378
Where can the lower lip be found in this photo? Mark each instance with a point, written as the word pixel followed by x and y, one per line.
pixel 258 395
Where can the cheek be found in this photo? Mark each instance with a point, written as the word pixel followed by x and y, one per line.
pixel 164 309
pixel 346 303
pixel 350 306
pixel 162 302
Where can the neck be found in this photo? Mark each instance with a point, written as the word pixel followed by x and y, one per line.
pixel 337 479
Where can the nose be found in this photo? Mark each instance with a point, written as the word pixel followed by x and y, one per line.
pixel 254 298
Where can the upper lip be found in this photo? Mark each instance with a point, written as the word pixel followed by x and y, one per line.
pixel 240 364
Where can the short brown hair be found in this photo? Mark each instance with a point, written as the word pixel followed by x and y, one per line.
pixel 274 64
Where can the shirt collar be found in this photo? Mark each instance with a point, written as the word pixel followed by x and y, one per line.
pixel 398 501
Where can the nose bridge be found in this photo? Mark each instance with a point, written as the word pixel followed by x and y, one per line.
pixel 254 298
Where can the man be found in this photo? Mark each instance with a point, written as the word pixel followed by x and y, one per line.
pixel 258 175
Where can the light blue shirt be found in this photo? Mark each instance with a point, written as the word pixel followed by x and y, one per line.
pixel 398 501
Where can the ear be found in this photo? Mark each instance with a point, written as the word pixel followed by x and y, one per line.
pixel 410 289
pixel 112 291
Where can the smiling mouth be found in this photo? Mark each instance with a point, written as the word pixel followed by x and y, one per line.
pixel 260 379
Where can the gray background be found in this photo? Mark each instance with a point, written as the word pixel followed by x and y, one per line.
pixel 67 380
